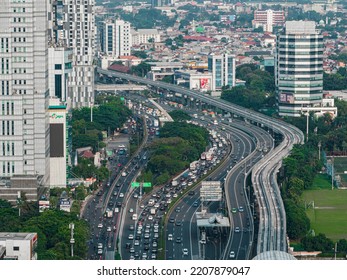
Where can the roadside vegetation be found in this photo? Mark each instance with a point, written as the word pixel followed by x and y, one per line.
pixel 109 114
pixel 52 227
pixel 258 92
pixel 304 188
pixel 179 144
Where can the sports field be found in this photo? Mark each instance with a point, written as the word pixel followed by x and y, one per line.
pixel 329 214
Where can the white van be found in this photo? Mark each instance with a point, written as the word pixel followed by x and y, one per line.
pixel 134 217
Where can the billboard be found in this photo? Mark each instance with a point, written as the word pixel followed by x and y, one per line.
pixel 204 83
pixel 286 98
pixel 57 140
pixel 211 191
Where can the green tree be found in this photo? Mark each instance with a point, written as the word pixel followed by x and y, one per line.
pixel 141 70
pixel 298 223
pixel 179 116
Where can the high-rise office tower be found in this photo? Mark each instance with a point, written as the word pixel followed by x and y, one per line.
pixel 24 125
pixel 116 38
pixel 75 28
pixel 299 68
pixel 222 67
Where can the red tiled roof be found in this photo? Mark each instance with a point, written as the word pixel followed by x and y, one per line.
pixel 128 57
pixel 119 68
pixel 87 154
pixel 198 38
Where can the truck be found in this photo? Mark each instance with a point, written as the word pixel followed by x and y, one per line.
pixel 174 183
pixel 153 210
pixel 203 156
pixel 193 165
pixel 109 213
pixel 209 156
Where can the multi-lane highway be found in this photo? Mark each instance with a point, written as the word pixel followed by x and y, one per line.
pixel 271 233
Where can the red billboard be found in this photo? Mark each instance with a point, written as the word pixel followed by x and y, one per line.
pixel 204 83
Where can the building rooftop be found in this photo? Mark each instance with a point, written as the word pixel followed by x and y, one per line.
pixel 300 27
pixel 148 31
pixel 17 235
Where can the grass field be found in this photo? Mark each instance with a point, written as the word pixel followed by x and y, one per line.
pixel 329 215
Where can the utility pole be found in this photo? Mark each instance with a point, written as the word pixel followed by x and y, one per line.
pixel 332 173
pixel 72 240
pixel 319 146
pixel 335 251
pixel 307 125
pixel 91 112
pixel 19 202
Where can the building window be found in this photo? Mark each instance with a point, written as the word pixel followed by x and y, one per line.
pixel 57 66
pixel 15 248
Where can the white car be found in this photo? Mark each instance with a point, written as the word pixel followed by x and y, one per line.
pixel 170 237
pixel 99 251
pixel 131 210
pixel 124 174
pixel 136 242
pixel 121 195
pixel 150 217
pixel 131 237
pixel 232 254
pixel 185 252
pixel 109 229
pixel 99 225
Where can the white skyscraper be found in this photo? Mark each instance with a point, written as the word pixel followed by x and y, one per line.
pixel 222 67
pixel 75 27
pixel 24 125
pixel 116 38
pixel 299 68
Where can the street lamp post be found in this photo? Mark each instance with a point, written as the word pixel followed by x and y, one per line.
pixel 72 240
pixel 319 146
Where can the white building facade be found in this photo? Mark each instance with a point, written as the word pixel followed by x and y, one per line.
pixel 75 28
pixel 222 67
pixel 24 128
pixel 144 36
pixel 268 18
pixel 116 38
pixel 18 245
pixel 299 68
pixel 60 67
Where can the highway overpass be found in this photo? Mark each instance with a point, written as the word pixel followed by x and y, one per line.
pixel 272 226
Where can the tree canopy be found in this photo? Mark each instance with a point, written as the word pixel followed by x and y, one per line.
pixel 180 143
pixel 179 116
pixel 258 92
pixel 52 227
pixel 109 115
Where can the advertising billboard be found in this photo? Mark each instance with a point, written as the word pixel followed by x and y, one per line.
pixel 286 98
pixel 204 83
